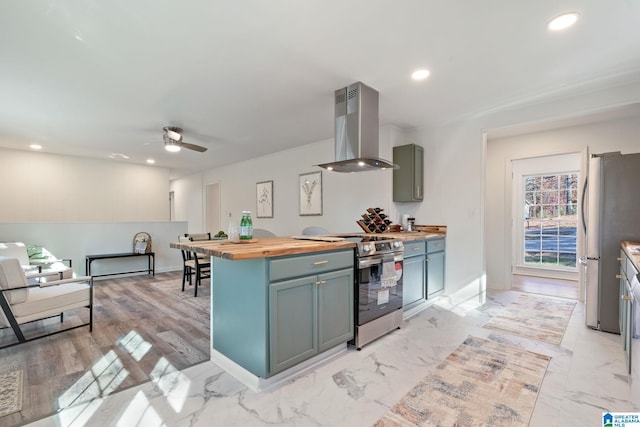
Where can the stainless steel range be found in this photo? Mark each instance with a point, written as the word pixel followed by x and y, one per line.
pixel 378 293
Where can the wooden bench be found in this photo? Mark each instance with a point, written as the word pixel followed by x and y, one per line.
pixel 151 258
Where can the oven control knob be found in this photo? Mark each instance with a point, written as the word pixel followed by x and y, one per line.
pixel 366 248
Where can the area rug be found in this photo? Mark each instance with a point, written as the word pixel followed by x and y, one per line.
pixel 542 319
pixel 482 383
pixel 10 392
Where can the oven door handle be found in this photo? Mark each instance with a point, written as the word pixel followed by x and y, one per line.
pixel 369 261
pixel 379 259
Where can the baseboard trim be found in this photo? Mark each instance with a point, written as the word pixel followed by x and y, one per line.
pixel 259 384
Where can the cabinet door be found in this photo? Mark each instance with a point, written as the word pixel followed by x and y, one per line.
pixel 335 308
pixel 435 273
pixel 408 179
pixel 293 322
pixel 413 281
pixel 418 167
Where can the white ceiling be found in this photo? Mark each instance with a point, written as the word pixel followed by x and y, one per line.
pixel 246 78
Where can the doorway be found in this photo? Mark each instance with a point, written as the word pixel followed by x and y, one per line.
pixel 545 225
pixel 212 208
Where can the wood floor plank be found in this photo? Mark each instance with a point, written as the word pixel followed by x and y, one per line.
pixel 76 365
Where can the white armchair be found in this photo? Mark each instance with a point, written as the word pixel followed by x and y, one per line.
pixel 46 267
pixel 21 302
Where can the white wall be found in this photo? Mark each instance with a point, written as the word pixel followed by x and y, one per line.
pixel 612 135
pixel 78 206
pixel 49 187
pixel 345 196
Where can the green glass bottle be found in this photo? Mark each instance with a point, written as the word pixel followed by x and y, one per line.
pixel 246 226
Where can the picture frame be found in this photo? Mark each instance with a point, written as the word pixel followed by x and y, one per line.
pixel 310 189
pixel 264 199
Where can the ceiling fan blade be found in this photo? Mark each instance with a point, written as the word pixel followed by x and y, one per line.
pixel 193 147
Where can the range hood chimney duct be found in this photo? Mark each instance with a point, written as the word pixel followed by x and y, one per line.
pixel 357 131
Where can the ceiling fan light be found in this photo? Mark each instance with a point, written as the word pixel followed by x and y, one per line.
pixel 172 147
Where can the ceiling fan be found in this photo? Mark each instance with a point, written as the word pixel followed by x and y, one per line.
pixel 173 140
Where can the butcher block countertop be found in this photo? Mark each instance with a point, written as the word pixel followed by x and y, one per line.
pixel 633 251
pixel 279 246
pixel 261 247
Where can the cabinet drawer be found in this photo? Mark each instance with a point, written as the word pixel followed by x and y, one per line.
pixel 295 266
pixel 435 245
pixel 414 248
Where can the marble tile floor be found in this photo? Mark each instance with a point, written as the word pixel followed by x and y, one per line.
pixel 585 378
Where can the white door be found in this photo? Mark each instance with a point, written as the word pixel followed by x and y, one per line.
pixel 545 211
pixel 212 208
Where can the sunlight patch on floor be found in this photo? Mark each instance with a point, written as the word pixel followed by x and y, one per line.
pixel 102 379
pixel 140 413
pixel 135 345
pixel 173 383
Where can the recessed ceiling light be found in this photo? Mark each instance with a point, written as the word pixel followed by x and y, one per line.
pixel 35 147
pixel 151 161
pixel 563 21
pixel 420 74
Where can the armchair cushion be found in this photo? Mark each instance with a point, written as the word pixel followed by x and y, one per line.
pixel 15 250
pixel 34 258
pixel 50 300
pixel 12 276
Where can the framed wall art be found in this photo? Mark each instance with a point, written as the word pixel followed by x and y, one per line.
pixel 264 199
pixel 310 188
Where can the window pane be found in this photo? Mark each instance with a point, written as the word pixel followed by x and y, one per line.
pixel 532 183
pixel 550 198
pixel 550 220
pixel 549 211
pixel 550 182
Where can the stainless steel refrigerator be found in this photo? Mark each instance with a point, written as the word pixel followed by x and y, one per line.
pixel 610 214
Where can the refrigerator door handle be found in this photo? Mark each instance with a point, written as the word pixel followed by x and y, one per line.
pixel 583 202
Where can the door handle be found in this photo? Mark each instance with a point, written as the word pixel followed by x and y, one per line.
pixel 618 276
pixel 320 262
pixel 582 202
pixel 625 298
pixel 320 282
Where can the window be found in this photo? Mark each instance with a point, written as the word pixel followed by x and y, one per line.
pixel 550 220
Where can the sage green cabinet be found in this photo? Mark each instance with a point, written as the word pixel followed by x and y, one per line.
pixel 408 179
pixel 435 263
pixel 308 316
pixel 627 306
pixel 269 314
pixel 414 269
pixel 310 306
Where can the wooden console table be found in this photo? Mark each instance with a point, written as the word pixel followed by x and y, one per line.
pixel 151 258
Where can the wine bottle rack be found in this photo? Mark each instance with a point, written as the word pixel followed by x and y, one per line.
pixel 374 221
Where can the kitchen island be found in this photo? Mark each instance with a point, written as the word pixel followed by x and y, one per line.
pixel 280 305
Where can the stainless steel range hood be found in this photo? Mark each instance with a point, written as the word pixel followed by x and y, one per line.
pixel 356 131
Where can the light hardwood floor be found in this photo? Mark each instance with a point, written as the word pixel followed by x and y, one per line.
pixel 545 286
pixel 142 325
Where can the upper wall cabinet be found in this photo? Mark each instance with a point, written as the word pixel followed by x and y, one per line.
pixel 408 181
